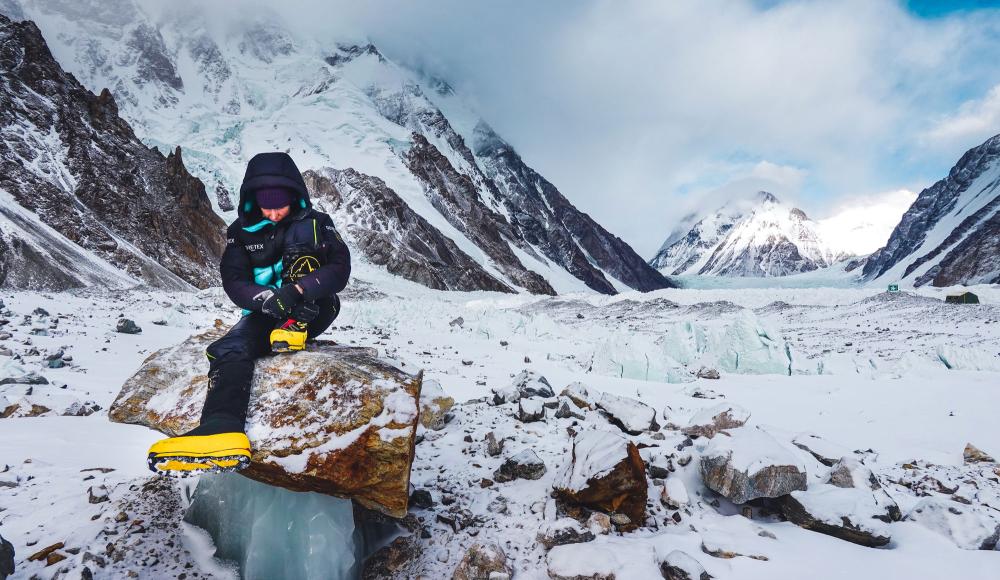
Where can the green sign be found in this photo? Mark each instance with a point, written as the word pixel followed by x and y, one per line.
pixel 893 287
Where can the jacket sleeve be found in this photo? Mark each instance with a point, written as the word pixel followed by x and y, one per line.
pixel 333 275
pixel 237 275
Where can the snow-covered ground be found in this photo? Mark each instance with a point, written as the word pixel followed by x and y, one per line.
pixel 905 375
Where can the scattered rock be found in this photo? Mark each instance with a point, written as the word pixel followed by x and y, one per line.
pixel 674 494
pixel 680 566
pixel 599 523
pixel 631 416
pixel 100 495
pixel 56 363
pixel 526 384
pixel 606 473
pixel 127 326
pixel 749 464
pixel 494 446
pixel 563 531
pixel 974 455
pixel 824 451
pixel 579 395
pixel 40 312
pixel 28 379
pixel 6 552
pixel 160 322
pixel 81 409
pixel 968 528
pixel 850 514
pixel 393 560
pixel 483 562
pixel 711 420
pixel 567 410
pixel 421 499
pixel 530 410
pixel 457 322
pixel 434 405
pixel 707 373
pixel 524 465
pixel 44 552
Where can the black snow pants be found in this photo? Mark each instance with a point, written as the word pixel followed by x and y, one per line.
pixel 231 366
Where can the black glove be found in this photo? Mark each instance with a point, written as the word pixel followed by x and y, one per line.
pixel 305 312
pixel 280 304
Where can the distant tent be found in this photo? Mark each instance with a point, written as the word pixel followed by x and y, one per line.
pixel 964 298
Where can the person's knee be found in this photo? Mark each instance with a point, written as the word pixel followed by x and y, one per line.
pixel 230 349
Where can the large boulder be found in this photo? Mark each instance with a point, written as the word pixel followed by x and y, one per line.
pixel 526 384
pixel 748 463
pixel 848 513
pixel 679 565
pixel 434 405
pixel 330 419
pixel 605 473
pixel 967 526
pixel 711 420
pixel 629 415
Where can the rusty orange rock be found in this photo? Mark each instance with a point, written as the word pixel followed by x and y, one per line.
pixel 330 419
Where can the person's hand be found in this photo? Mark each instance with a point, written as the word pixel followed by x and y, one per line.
pixel 305 312
pixel 280 304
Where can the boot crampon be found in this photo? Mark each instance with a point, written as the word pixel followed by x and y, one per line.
pixel 218 444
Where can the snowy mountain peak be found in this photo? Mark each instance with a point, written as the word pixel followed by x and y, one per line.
pixel 758 236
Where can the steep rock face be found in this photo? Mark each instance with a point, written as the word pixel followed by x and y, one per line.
pixel 758 238
pixel 549 222
pixel 331 419
pixel 388 233
pixel 69 162
pixel 949 234
pixel 455 196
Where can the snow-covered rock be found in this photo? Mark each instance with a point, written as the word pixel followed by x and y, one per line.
pixel 972 454
pixel 434 405
pixel 331 419
pixel 678 565
pixel 851 514
pixel 674 494
pixel 525 384
pixel 748 463
pixel 601 561
pixel 483 561
pixel 629 415
pixel 581 396
pixel 605 472
pixel 968 527
pixel 523 465
pixel 822 450
pixel 710 420
pixel 531 409
pixel 563 531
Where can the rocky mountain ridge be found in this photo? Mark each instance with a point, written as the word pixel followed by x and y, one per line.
pixel 951 233
pixel 760 237
pixel 84 201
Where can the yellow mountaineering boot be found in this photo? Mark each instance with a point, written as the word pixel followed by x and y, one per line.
pixel 192 454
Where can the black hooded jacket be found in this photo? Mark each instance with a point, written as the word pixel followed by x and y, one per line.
pixel 252 261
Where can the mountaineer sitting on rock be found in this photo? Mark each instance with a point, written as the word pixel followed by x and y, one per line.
pixel 284 264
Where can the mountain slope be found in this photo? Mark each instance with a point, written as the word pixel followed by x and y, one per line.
pixel 758 238
pixel 84 201
pixel 254 84
pixel 949 234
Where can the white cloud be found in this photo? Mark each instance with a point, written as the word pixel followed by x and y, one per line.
pixel 975 121
pixel 863 224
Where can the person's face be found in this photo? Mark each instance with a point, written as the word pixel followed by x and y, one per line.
pixel 276 215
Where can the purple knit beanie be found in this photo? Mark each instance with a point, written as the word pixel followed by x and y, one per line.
pixel 274 197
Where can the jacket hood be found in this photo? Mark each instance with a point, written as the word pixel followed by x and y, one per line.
pixel 275 169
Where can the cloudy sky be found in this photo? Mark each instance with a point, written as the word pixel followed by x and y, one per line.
pixel 641 110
